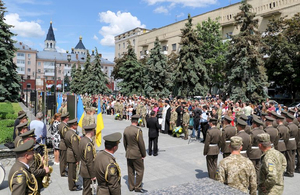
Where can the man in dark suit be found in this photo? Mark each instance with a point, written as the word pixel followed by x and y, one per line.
pixel 153 126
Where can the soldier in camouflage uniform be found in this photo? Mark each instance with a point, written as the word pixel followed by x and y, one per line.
pixel 297 170
pixel 237 171
pixel 185 122
pixel 86 119
pixel 143 114
pixel 273 165
pixel 173 119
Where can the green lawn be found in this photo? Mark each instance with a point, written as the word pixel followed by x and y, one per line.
pixel 8 115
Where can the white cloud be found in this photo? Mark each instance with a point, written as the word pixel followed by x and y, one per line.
pixel 24 28
pixel 55 29
pixel 118 23
pixel 185 3
pixel 95 38
pixel 161 9
pixel 60 50
pixel 180 15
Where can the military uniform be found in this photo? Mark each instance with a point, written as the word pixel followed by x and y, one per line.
pixel 273 165
pixel 135 152
pixel 185 124
pixel 73 155
pixel 85 120
pixel 18 140
pixel 143 112
pixel 291 148
pixel 87 152
pixel 247 128
pixel 107 170
pixel 211 150
pixel 246 142
pixel 62 129
pixel 227 132
pixel 173 120
pixel 20 179
pixel 237 171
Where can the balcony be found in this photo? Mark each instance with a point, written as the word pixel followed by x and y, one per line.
pixel 50 74
pixel 48 67
pixel 21 72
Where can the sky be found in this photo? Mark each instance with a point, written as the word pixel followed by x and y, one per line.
pixel 97 21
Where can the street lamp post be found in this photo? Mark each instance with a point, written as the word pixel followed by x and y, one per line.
pixel 55 85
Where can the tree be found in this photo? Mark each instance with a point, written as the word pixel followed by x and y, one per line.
pixel 282 38
pixel 76 79
pixel 66 82
pixel 246 77
pixel 118 63
pixel 131 73
pixel 172 64
pixel 213 51
pixel 97 83
pixel 9 79
pixel 157 77
pixel 191 74
pixel 86 74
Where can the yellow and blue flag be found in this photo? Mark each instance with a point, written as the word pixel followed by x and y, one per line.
pixel 100 124
pixel 80 111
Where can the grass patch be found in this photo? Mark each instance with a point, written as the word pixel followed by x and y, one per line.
pixel 8 114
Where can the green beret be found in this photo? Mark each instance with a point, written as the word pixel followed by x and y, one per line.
pixel 65 115
pixel 288 115
pixel 28 134
pixel 263 138
pixel 241 122
pixel 268 118
pixel 22 125
pixel 257 120
pixel 22 116
pixel 236 141
pixel 27 146
pixel 280 117
pixel 212 120
pixel 243 117
pixel 89 127
pixel 135 117
pixel 113 138
pixel 228 118
pixel 70 122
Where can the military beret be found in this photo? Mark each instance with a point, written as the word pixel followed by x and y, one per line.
pixel 288 115
pixel 72 121
pixel 268 118
pixel 213 120
pixel 113 138
pixel 89 127
pixel 228 118
pixel 22 116
pixel 274 113
pixel 292 111
pixel 27 146
pixel 279 116
pixel 243 117
pixel 28 134
pixel 135 116
pixel 257 120
pixel 65 115
pixel 263 138
pixel 264 114
pixel 22 125
pixel 236 141
pixel 241 122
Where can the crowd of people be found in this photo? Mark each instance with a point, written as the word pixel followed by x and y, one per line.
pixel 259 143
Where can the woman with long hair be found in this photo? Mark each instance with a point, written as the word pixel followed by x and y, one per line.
pixel 55 121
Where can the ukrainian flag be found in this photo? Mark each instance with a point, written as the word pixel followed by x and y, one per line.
pixel 100 124
pixel 80 111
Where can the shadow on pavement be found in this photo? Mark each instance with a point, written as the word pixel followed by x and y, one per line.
pixel 4 185
pixel 200 174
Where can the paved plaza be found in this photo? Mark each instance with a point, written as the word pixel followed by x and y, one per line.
pixel 178 162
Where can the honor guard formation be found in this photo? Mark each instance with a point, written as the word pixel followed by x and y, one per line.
pixel 260 144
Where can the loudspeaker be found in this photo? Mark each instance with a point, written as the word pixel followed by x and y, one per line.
pixel 50 101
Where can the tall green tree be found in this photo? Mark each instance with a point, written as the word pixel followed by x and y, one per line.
pixel 118 63
pixel 282 38
pixel 246 77
pixel 9 79
pixel 172 62
pixel 66 82
pixel 131 73
pixel 76 79
pixel 86 74
pixel 97 83
pixel 191 74
pixel 213 51
pixel 157 78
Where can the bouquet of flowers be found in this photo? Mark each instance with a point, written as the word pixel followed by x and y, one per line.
pixel 177 131
pixel 117 116
pixel 140 122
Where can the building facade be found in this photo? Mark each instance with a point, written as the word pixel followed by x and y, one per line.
pixel 169 35
pixel 37 68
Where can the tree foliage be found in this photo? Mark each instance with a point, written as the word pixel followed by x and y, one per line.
pixel 245 72
pixel 97 80
pixel 118 63
pixel 213 50
pixel 131 74
pixel 76 79
pixel 157 76
pixel 66 83
pixel 191 74
pixel 9 79
pixel 86 74
pixel 282 38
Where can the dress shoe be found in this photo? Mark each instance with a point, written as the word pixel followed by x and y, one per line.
pixel 64 175
pixel 297 170
pixel 150 154
pixel 288 174
pixel 155 154
pixel 77 188
pixel 141 190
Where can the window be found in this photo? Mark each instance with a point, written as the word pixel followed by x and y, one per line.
pixel 119 46
pixel 133 42
pixel 28 77
pixel 59 71
pixel 52 78
pixel 29 62
pixel 21 54
pixel 59 78
pixel 20 69
pixel 119 55
pixel 228 35
pixel 21 62
pixel 164 48
pixel 123 45
pixel 39 70
pixel 28 69
pixel 38 77
pixel 29 55
pixel 174 47
pixel 39 64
